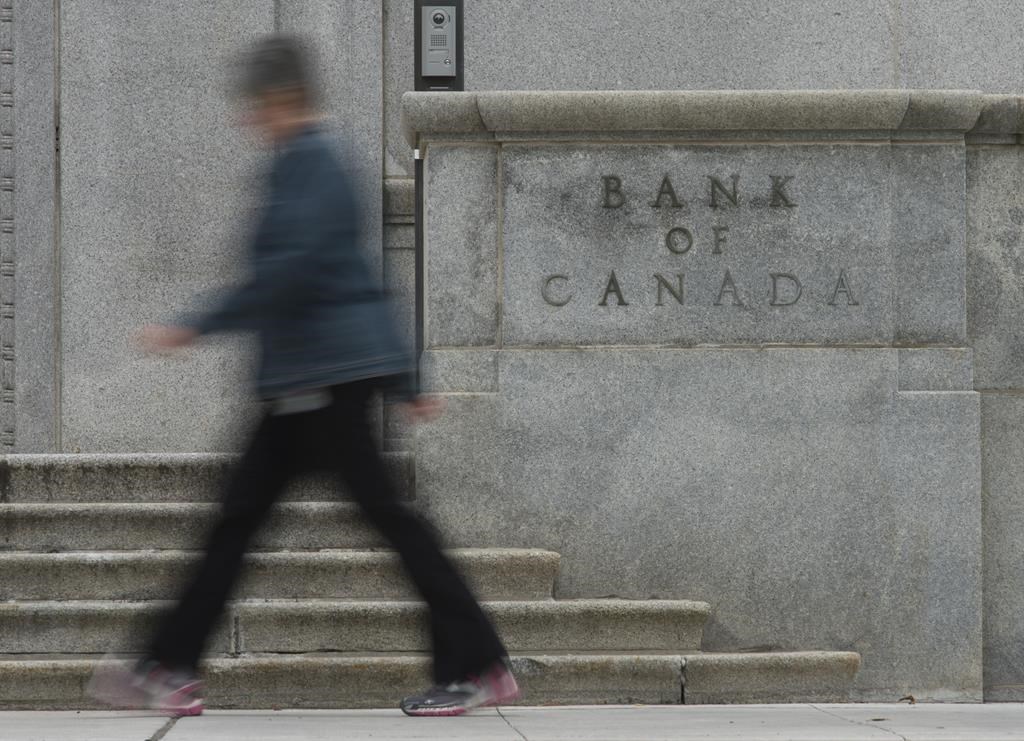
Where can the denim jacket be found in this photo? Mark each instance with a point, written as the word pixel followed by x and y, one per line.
pixel 320 315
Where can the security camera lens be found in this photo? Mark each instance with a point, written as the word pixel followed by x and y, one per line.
pixel 439 18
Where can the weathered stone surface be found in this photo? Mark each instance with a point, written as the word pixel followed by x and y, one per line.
pixel 838 234
pixel 477 468
pixel 928 243
pixel 734 244
pixel 713 46
pixel 398 78
pixel 696 110
pixel 798 469
pixel 152 477
pixel 341 682
pixel 556 626
pixel 943 110
pixel 399 200
pixel 943 43
pixel 1003 507
pixel 793 487
pixel 495 574
pixel 63 526
pixel 447 112
pixel 326 681
pixel 1002 114
pixel 449 371
pixel 153 189
pixel 995 287
pixel 933 469
pixel 32 414
pixel 650 111
pixel 729 110
pixel 400 278
pixel 461 246
pixel 88 627
pixel 400 283
pixel 873 46
pixel 936 369
pixel 768 677
pixel 680 50
pixel 427 115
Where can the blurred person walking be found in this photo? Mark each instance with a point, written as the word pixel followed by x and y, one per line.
pixel 327 347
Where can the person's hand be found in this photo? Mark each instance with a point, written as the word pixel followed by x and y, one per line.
pixel 424 408
pixel 158 339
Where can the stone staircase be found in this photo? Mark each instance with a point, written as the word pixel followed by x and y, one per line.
pixel 92 548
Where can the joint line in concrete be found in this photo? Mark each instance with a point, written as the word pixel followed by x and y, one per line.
pixel 164 730
pixel 518 732
pixel 859 722
pixel 682 682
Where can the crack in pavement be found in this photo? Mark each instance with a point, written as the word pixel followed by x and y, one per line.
pixel 164 730
pixel 518 732
pixel 860 723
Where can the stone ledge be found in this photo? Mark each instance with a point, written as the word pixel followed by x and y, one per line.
pixel 52 527
pixel 744 678
pixel 586 625
pixel 357 625
pixel 152 477
pixel 331 681
pixel 335 574
pixel 1001 115
pixel 482 114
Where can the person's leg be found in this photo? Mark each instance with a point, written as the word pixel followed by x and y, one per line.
pixel 465 642
pixel 255 484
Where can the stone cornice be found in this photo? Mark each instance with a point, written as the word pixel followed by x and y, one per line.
pixel 492 114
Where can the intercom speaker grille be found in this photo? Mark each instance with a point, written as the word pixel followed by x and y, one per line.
pixel 438 39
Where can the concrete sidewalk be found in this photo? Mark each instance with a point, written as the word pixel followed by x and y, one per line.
pixel 996 722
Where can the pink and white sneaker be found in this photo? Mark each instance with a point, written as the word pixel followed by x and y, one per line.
pixel 147 684
pixel 496 686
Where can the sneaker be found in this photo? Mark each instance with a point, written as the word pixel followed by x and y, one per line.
pixel 495 687
pixel 148 684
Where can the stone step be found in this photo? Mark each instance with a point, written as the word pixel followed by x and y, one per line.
pixel 496 574
pixel 152 477
pixel 798 676
pixel 331 681
pixel 63 526
pixel 285 626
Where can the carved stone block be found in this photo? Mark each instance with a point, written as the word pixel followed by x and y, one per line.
pixel 723 363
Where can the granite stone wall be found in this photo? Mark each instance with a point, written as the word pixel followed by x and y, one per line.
pixel 714 45
pixel 719 344
pixel 144 206
pixel 147 205
pixel 154 193
pixel 995 282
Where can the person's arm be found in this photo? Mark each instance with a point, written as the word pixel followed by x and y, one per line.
pixel 284 263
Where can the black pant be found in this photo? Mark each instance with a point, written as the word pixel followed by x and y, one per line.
pixel 337 439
